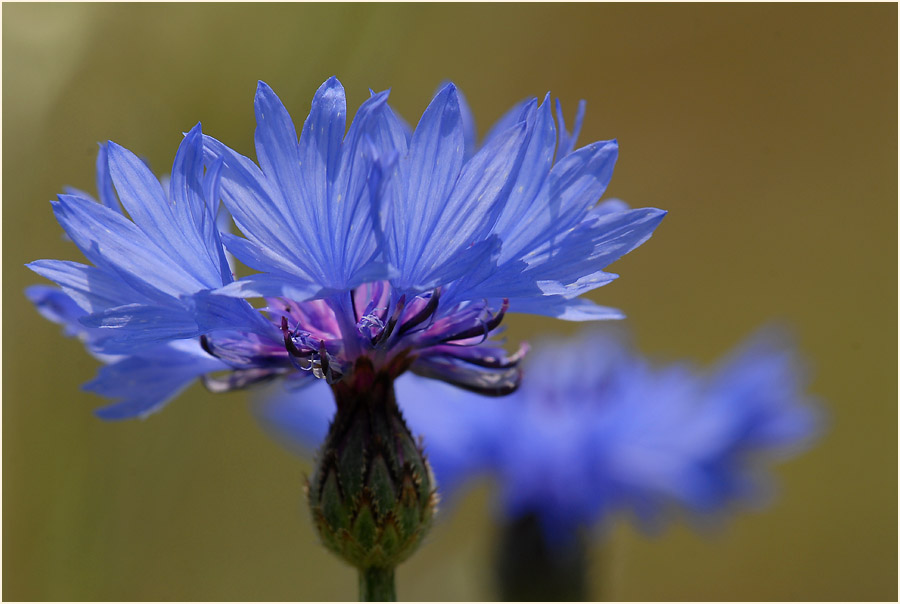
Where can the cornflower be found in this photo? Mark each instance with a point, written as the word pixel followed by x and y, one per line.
pixel 378 251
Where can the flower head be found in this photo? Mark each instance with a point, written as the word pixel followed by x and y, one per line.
pixel 596 428
pixel 403 249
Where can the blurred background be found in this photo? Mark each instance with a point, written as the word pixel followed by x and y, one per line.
pixel 769 132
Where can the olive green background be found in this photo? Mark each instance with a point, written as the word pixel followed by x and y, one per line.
pixel 767 131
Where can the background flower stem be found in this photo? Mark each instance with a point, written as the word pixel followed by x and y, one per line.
pixel 531 569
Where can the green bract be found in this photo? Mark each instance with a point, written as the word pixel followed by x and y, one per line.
pixel 372 494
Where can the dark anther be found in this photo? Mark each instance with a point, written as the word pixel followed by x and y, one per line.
pixel 389 328
pixel 330 374
pixel 288 340
pixel 323 356
pixel 424 314
pixel 353 305
pixel 206 346
pixel 481 330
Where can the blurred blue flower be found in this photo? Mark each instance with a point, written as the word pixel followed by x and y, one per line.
pixel 398 249
pixel 596 429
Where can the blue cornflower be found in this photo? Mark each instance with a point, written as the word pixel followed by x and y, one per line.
pixel 395 249
pixel 378 251
pixel 596 429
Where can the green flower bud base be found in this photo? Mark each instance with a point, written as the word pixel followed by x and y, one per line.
pixel 372 494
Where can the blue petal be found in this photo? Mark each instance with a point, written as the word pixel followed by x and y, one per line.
pixel 352 244
pixel 476 264
pixel 609 206
pixel 435 158
pixel 91 288
pixel 301 173
pixel 78 193
pixel 195 214
pixel 572 187
pixel 259 212
pixel 113 243
pixel 595 244
pixel 320 149
pixel 525 206
pixel 271 286
pixel 578 309
pixel 54 305
pixel 258 256
pixel 386 129
pixel 142 195
pixel 542 209
pixel 518 113
pixel 135 326
pixel 104 181
pixel 211 185
pixel 309 214
pixel 578 180
pixel 211 182
pixel 374 271
pixel 577 287
pixel 451 230
pixel 468 124
pixel 387 138
pixel 436 150
pixel 171 227
pixel 325 177
pixel 278 152
pixel 214 312
pixel 567 141
pixel 147 382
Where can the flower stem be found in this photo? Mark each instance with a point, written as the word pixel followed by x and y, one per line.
pixel 377 585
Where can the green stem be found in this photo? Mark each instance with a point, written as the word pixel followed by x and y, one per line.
pixel 377 585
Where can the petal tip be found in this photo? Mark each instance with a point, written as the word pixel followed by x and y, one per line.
pixel 264 94
pixel 195 134
pixel 114 148
pixel 332 85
